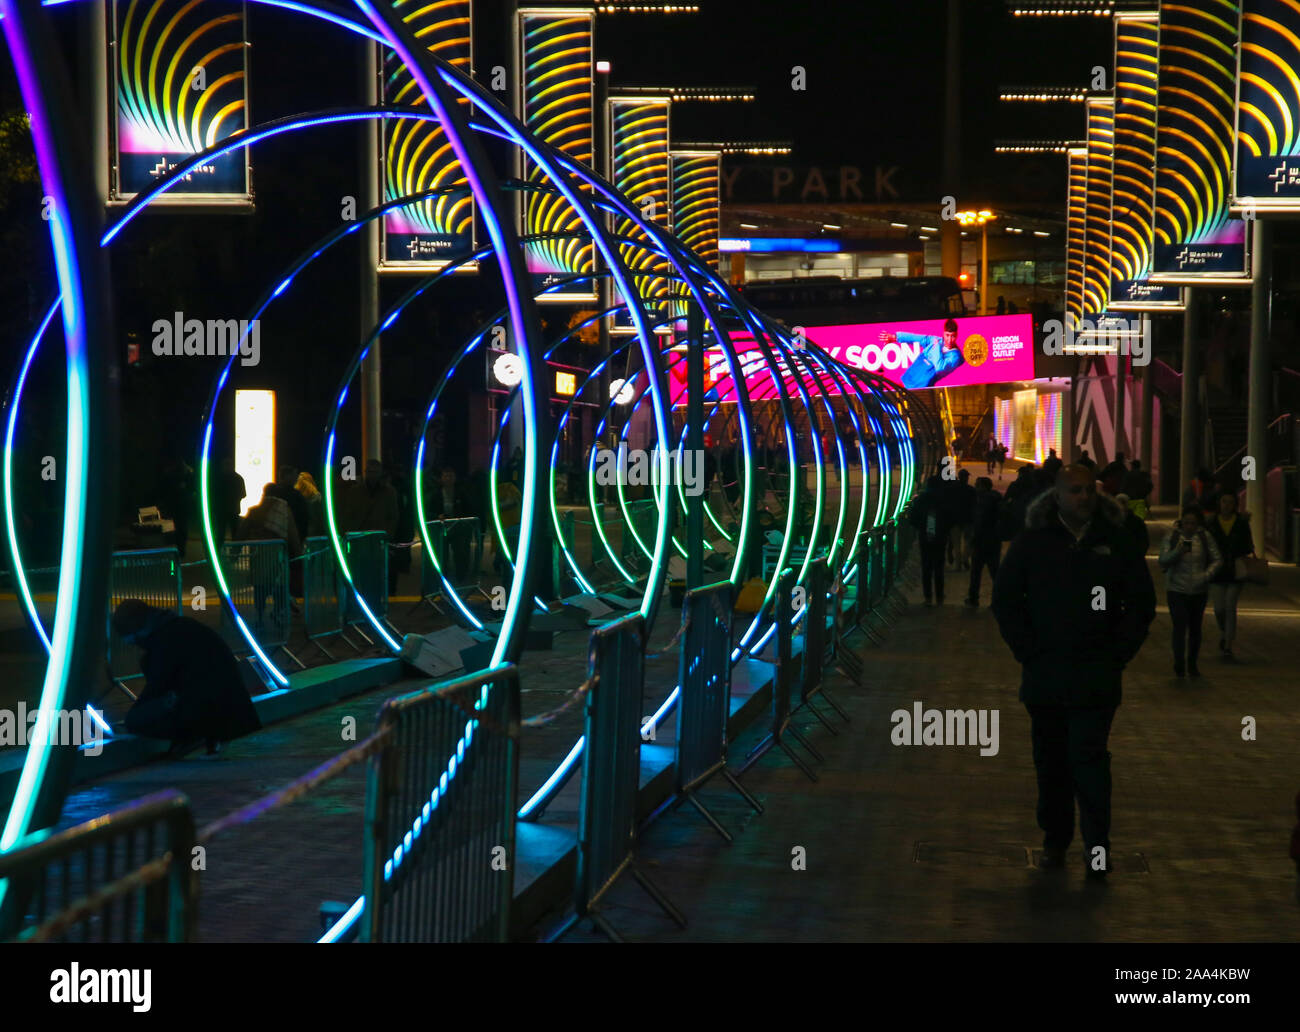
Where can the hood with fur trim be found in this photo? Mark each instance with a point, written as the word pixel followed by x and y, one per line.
pixel 1043 509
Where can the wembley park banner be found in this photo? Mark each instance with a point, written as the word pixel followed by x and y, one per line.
pixel 178 79
pixel 1266 173
pixel 1195 239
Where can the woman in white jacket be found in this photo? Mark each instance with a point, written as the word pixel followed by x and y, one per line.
pixel 1189 558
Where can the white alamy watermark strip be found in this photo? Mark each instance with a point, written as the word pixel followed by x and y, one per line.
pixel 920 726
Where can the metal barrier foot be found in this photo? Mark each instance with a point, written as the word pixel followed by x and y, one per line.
pixel 834 705
pixel 758 807
pixel 808 747
pixel 343 635
pixel 328 655
pixel 817 713
pixel 689 796
pixel 655 893
pixel 301 664
pixel 794 758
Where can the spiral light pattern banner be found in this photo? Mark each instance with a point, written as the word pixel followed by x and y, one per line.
pixel 178 72
pixel 1133 177
pixel 1195 239
pixel 1075 232
pixel 556 103
pixel 417 156
pixel 1267 169
pixel 1097 255
pixel 639 162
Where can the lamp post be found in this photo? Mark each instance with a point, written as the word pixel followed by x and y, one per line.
pixel 982 219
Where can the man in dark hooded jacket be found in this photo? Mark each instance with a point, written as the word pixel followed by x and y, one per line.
pixel 193 691
pixel 1074 600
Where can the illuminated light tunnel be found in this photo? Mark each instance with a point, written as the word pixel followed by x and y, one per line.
pixel 765 389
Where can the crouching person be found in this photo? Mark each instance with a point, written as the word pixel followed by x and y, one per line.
pixel 193 692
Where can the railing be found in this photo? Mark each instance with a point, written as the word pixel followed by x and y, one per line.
pixel 322 602
pixel 151 575
pixel 257 574
pixel 611 773
pixel 367 553
pixel 122 877
pixel 1279 446
pixel 457 545
pixel 440 813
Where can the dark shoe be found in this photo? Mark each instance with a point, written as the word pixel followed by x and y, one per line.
pixel 182 746
pixel 1193 670
pixel 1051 859
pixel 1228 657
pixel 1223 644
pixel 938 601
pixel 973 603
pixel 1179 671
pixel 928 604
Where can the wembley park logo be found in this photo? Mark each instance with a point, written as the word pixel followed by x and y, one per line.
pixel 1108 335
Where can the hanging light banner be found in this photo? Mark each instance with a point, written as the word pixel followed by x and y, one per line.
pixel 179 78
pixel 1266 174
pixel 554 51
pixel 1133 172
pixel 696 177
pixel 1195 239
pixel 637 130
pixel 1075 218
pixel 1096 255
pixel 415 156
pixel 696 207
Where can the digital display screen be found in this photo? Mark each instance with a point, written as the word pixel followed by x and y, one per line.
pixel 917 355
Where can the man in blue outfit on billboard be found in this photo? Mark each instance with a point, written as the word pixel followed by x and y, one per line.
pixel 939 356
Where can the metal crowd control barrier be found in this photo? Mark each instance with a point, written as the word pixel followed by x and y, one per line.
pixel 815 644
pixel 611 774
pixel 562 582
pixel 446 538
pixel 322 602
pixel 257 573
pixel 367 552
pixel 440 832
pixel 783 616
pixel 122 877
pixel 705 678
pixel 151 575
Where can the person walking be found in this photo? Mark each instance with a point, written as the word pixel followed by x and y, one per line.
pixel 1052 465
pixel 1135 525
pixel 1073 651
pixel 1230 531
pixel 962 518
pixel 230 496
pixel 929 515
pixel 991 454
pixel 1137 485
pixel 1002 457
pixel 1085 460
pixel 1190 558
pixel 986 538
pixel 1112 475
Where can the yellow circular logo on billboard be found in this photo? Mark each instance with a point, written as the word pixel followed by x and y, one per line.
pixel 977 349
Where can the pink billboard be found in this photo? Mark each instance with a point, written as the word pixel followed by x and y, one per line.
pixel 918 355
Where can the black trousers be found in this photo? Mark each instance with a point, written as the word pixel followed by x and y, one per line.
pixel 932 553
pixel 1186 611
pixel 1072 762
pixel 981 556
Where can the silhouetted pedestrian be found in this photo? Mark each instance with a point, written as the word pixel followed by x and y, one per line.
pixel 1189 558
pixel 1072 650
pixel 929 515
pixel 1230 531
pixel 986 540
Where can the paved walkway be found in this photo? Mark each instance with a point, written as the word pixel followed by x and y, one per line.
pixel 921 843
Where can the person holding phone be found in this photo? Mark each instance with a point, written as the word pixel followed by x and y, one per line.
pixel 1230 530
pixel 1190 559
